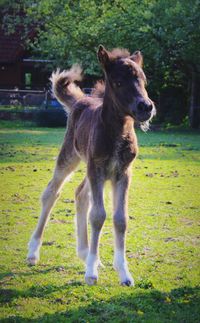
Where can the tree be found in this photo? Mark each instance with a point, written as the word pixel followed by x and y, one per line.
pixel 176 29
pixel 167 31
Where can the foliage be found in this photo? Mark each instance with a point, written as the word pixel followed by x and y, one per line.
pixel 167 32
pixel 162 239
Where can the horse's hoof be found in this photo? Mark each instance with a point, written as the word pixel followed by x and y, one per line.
pixel 91 280
pixel 128 283
pixel 32 261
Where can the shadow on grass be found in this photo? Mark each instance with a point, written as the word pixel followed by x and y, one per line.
pixel 180 305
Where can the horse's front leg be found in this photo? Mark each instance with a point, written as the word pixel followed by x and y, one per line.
pixel 97 218
pixel 120 199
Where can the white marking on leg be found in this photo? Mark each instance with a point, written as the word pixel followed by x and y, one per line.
pixel 121 266
pixel 91 274
pixel 34 251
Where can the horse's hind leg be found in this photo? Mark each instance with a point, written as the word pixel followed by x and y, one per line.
pixel 82 206
pixel 66 163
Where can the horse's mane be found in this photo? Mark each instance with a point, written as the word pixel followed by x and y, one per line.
pixel 98 90
pixel 119 53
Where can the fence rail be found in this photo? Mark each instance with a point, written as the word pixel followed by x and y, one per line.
pixel 16 97
pixel 22 91
pixel 38 98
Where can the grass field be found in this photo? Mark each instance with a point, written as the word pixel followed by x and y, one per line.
pixel 162 240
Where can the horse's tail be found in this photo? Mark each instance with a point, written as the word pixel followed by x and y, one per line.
pixel 64 88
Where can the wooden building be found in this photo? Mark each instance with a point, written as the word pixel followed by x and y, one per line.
pixel 17 68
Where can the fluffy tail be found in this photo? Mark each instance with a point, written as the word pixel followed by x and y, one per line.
pixel 64 88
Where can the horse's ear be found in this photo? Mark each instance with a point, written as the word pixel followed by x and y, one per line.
pixel 137 58
pixel 103 56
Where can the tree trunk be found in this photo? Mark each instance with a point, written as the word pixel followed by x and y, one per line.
pixel 194 110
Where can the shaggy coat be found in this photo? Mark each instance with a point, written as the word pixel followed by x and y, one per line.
pixel 100 131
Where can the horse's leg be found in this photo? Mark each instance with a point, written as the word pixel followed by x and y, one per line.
pixel 97 218
pixel 67 161
pixel 120 196
pixel 82 206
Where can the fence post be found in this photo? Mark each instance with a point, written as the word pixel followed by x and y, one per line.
pixel 46 98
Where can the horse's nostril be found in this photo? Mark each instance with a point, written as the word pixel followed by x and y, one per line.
pixel 141 107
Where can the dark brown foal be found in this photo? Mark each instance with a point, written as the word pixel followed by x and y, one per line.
pixel 100 132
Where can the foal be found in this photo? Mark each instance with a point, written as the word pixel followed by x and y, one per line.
pixel 100 131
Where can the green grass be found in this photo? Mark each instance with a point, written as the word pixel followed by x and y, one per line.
pixel 162 239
